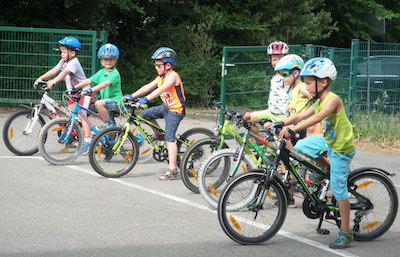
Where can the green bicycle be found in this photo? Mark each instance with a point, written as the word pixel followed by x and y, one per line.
pixel 108 155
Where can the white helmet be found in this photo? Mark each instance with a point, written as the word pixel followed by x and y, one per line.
pixel 277 47
pixel 289 62
pixel 319 67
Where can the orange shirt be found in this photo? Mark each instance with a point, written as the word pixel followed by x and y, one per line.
pixel 174 97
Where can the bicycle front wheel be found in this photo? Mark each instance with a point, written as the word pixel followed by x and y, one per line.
pixel 111 157
pixel 15 135
pixel 57 145
pixel 253 222
pixel 216 171
pixel 189 137
pixel 193 158
pixel 373 205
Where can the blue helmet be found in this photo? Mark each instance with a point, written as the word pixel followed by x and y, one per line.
pixel 319 67
pixel 108 51
pixel 71 43
pixel 165 54
pixel 290 62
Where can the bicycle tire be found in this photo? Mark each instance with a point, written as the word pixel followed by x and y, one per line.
pixel 243 225
pixel 103 159
pixel 14 138
pixel 193 158
pixel 56 152
pixel 146 150
pixel 214 172
pixel 190 136
pixel 381 192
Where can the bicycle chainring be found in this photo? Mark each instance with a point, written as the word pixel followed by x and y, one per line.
pixel 310 210
pixel 161 155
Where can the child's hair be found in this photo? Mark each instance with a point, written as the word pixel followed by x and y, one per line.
pixel 165 54
pixel 108 51
pixel 71 43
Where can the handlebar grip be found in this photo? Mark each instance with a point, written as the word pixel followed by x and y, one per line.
pixel 293 134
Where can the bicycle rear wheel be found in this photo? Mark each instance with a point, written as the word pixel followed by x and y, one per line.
pixel 215 172
pixel 251 223
pixel 378 190
pixel 17 140
pixel 193 158
pixel 105 160
pixel 189 137
pixel 56 145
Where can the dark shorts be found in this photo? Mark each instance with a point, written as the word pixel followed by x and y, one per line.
pixel 172 120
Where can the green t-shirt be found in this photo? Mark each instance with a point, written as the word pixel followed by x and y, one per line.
pixel 114 90
pixel 338 132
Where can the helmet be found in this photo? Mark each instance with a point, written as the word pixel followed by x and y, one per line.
pixel 290 62
pixel 108 51
pixel 166 54
pixel 71 43
pixel 277 47
pixel 319 67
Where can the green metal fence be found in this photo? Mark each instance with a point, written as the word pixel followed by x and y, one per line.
pixel 26 53
pixel 368 80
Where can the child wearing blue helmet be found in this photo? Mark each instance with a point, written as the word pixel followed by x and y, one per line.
pixel 336 142
pixel 169 87
pixel 108 82
pixel 68 69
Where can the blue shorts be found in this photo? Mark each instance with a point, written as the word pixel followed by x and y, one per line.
pixel 111 104
pixel 316 147
pixel 172 120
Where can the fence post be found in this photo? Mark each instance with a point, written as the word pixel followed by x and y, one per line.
pixel 352 79
pixel 223 83
pixel 310 51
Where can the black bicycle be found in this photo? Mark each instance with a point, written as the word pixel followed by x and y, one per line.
pixel 253 206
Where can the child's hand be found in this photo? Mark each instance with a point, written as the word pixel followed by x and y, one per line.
pixel 284 133
pixel 143 100
pixel 127 98
pixel 247 116
pixel 267 125
pixel 50 83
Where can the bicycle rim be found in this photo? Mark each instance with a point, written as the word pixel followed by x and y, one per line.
pixel 379 190
pixel 56 145
pixel 104 158
pixel 251 224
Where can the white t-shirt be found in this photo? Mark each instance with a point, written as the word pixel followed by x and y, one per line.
pixel 78 75
pixel 278 95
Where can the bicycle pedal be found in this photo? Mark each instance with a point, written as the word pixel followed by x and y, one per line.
pixel 322 231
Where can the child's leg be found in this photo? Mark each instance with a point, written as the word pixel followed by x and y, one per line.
pixel 172 121
pixel 154 113
pixel 101 108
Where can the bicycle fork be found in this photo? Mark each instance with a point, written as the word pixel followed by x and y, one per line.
pixel 33 119
pixel 120 142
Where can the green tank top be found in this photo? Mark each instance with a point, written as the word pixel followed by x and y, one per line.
pixel 338 131
pixel 295 102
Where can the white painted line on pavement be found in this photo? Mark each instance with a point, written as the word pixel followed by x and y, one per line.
pixel 207 208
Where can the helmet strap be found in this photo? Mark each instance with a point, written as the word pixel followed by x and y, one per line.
pixel 318 94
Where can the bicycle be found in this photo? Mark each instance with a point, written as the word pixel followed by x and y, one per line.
pixel 105 151
pixel 249 214
pixel 198 152
pixel 61 140
pixel 22 128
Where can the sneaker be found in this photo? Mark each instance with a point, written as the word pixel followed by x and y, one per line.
pixel 342 241
pixel 291 204
pixel 85 148
pixel 169 175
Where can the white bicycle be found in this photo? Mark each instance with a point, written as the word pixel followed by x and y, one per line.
pixel 21 129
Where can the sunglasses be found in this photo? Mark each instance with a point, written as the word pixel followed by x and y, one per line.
pixel 285 74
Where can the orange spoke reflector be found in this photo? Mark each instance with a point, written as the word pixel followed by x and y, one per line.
pixel 371 225
pixel 192 142
pixel 146 151
pixel 99 150
pixel 212 189
pixel 234 222
pixel 195 174
pixel 128 156
pixel 244 168
pixel 133 130
pixel 11 133
pixel 365 184
pixel 270 195
pixel 57 129
pixel 65 148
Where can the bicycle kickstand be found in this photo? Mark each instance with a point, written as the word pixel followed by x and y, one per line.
pixel 320 230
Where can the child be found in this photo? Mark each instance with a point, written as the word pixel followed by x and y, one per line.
pixel 277 107
pixel 68 69
pixel 337 140
pixel 108 82
pixel 168 86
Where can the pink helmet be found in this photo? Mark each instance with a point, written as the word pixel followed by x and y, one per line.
pixel 277 47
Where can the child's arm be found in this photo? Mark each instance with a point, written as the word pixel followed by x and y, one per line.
pixel 58 78
pixel 167 84
pixel 304 93
pixel 50 73
pixel 83 83
pixel 145 89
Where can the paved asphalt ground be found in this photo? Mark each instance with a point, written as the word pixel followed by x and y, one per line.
pixel 70 211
